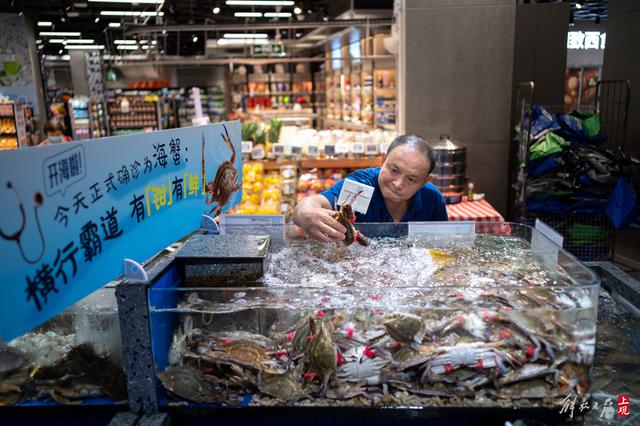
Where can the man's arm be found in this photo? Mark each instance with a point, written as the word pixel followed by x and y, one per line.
pixel 314 215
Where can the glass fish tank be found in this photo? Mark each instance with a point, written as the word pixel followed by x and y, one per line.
pixel 420 315
pixel 74 358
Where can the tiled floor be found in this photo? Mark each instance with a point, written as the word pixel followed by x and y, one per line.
pixel 627 252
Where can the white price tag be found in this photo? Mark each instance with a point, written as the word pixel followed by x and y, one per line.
pixel 371 149
pixel 549 232
pixel 296 151
pixel 246 147
pixel 462 228
pixel 357 194
pixel 357 148
pixel 312 151
pixel 545 244
pixel 257 153
pixel 342 148
pixel 277 149
pixel 253 224
pixel 383 148
pixel 330 150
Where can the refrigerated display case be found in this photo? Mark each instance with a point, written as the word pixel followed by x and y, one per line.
pixel 79 116
pixel 16 125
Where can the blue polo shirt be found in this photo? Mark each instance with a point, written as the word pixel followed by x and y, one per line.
pixel 426 205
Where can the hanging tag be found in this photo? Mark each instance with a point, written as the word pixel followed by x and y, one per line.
pixel 246 147
pixel 277 149
pixel 330 150
pixel 371 149
pixel 312 151
pixel 357 194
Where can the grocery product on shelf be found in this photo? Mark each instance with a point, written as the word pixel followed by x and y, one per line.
pixel 98 120
pixel 79 115
pixel 16 125
pixel 133 114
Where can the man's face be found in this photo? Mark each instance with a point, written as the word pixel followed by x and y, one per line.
pixel 403 173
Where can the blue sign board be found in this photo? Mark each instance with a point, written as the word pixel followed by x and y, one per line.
pixel 71 213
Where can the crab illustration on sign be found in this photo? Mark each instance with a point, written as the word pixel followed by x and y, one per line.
pixel 220 189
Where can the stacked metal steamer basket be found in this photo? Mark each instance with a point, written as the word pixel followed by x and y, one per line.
pixel 449 171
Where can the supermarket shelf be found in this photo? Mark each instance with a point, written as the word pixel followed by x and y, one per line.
pixel 337 163
pixel 342 163
pixel 275 165
pixel 9 134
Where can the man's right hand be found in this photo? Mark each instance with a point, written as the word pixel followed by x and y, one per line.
pixel 317 220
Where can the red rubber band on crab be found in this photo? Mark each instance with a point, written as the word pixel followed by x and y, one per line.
pixel 310 375
pixel 368 352
pixel 505 334
pixel 339 355
pixel 227 340
pixel 310 337
pixel 530 351
pixel 448 368
pixel 290 336
pixel 350 332
pixel 479 364
pixel 352 219
pixel 355 236
pixel 320 313
pixel 460 319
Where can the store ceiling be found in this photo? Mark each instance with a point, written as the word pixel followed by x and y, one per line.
pixel 92 19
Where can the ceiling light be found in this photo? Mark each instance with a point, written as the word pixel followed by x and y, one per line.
pixel 96 20
pixel 86 47
pixel 55 58
pixel 146 47
pixel 125 42
pixel 164 32
pixel 326 18
pixel 61 33
pixel 143 42
pixel 129 13
pixel 259 3
pixel 194 38
pixel 241 36
pixel 60 52
pixel 277 15
pixel 45 24
pixel 240 42
pixel 298 35
pixel 128 1
pixel 578 6
pixel 297 11
pixel 73 14
pixel 114 24
pixel 38 41
pixel 63 19
pixel 71 40
pixel 216 10
pixel 154 42
pixel 248 14
pixel 80 4
pixel 127 47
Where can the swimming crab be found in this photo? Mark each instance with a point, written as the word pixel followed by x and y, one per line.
pixel 347 218
pixel 226 182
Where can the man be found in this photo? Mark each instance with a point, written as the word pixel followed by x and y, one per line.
pixel 402 193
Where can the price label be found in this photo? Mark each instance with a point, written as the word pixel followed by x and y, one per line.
pixel 296 151
pixel 342 148
pixel 462 228
pixel 371 149
pixel 383 148
pixel 357 194
pixel 312 151
pixel 246 147
pixel 330 150
pixel 257 153
pixel 277 149
pixel 545 245
pixel 256 224
pixel 357 148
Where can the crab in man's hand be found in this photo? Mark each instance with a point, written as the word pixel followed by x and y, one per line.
pixel 347 218
pixel 225 183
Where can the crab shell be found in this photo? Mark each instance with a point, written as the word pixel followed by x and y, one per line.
pixel 225 182
pixel 405 328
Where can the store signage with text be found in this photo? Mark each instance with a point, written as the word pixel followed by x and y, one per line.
pixel 71 213
pixel 274 49
pixel 586 40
